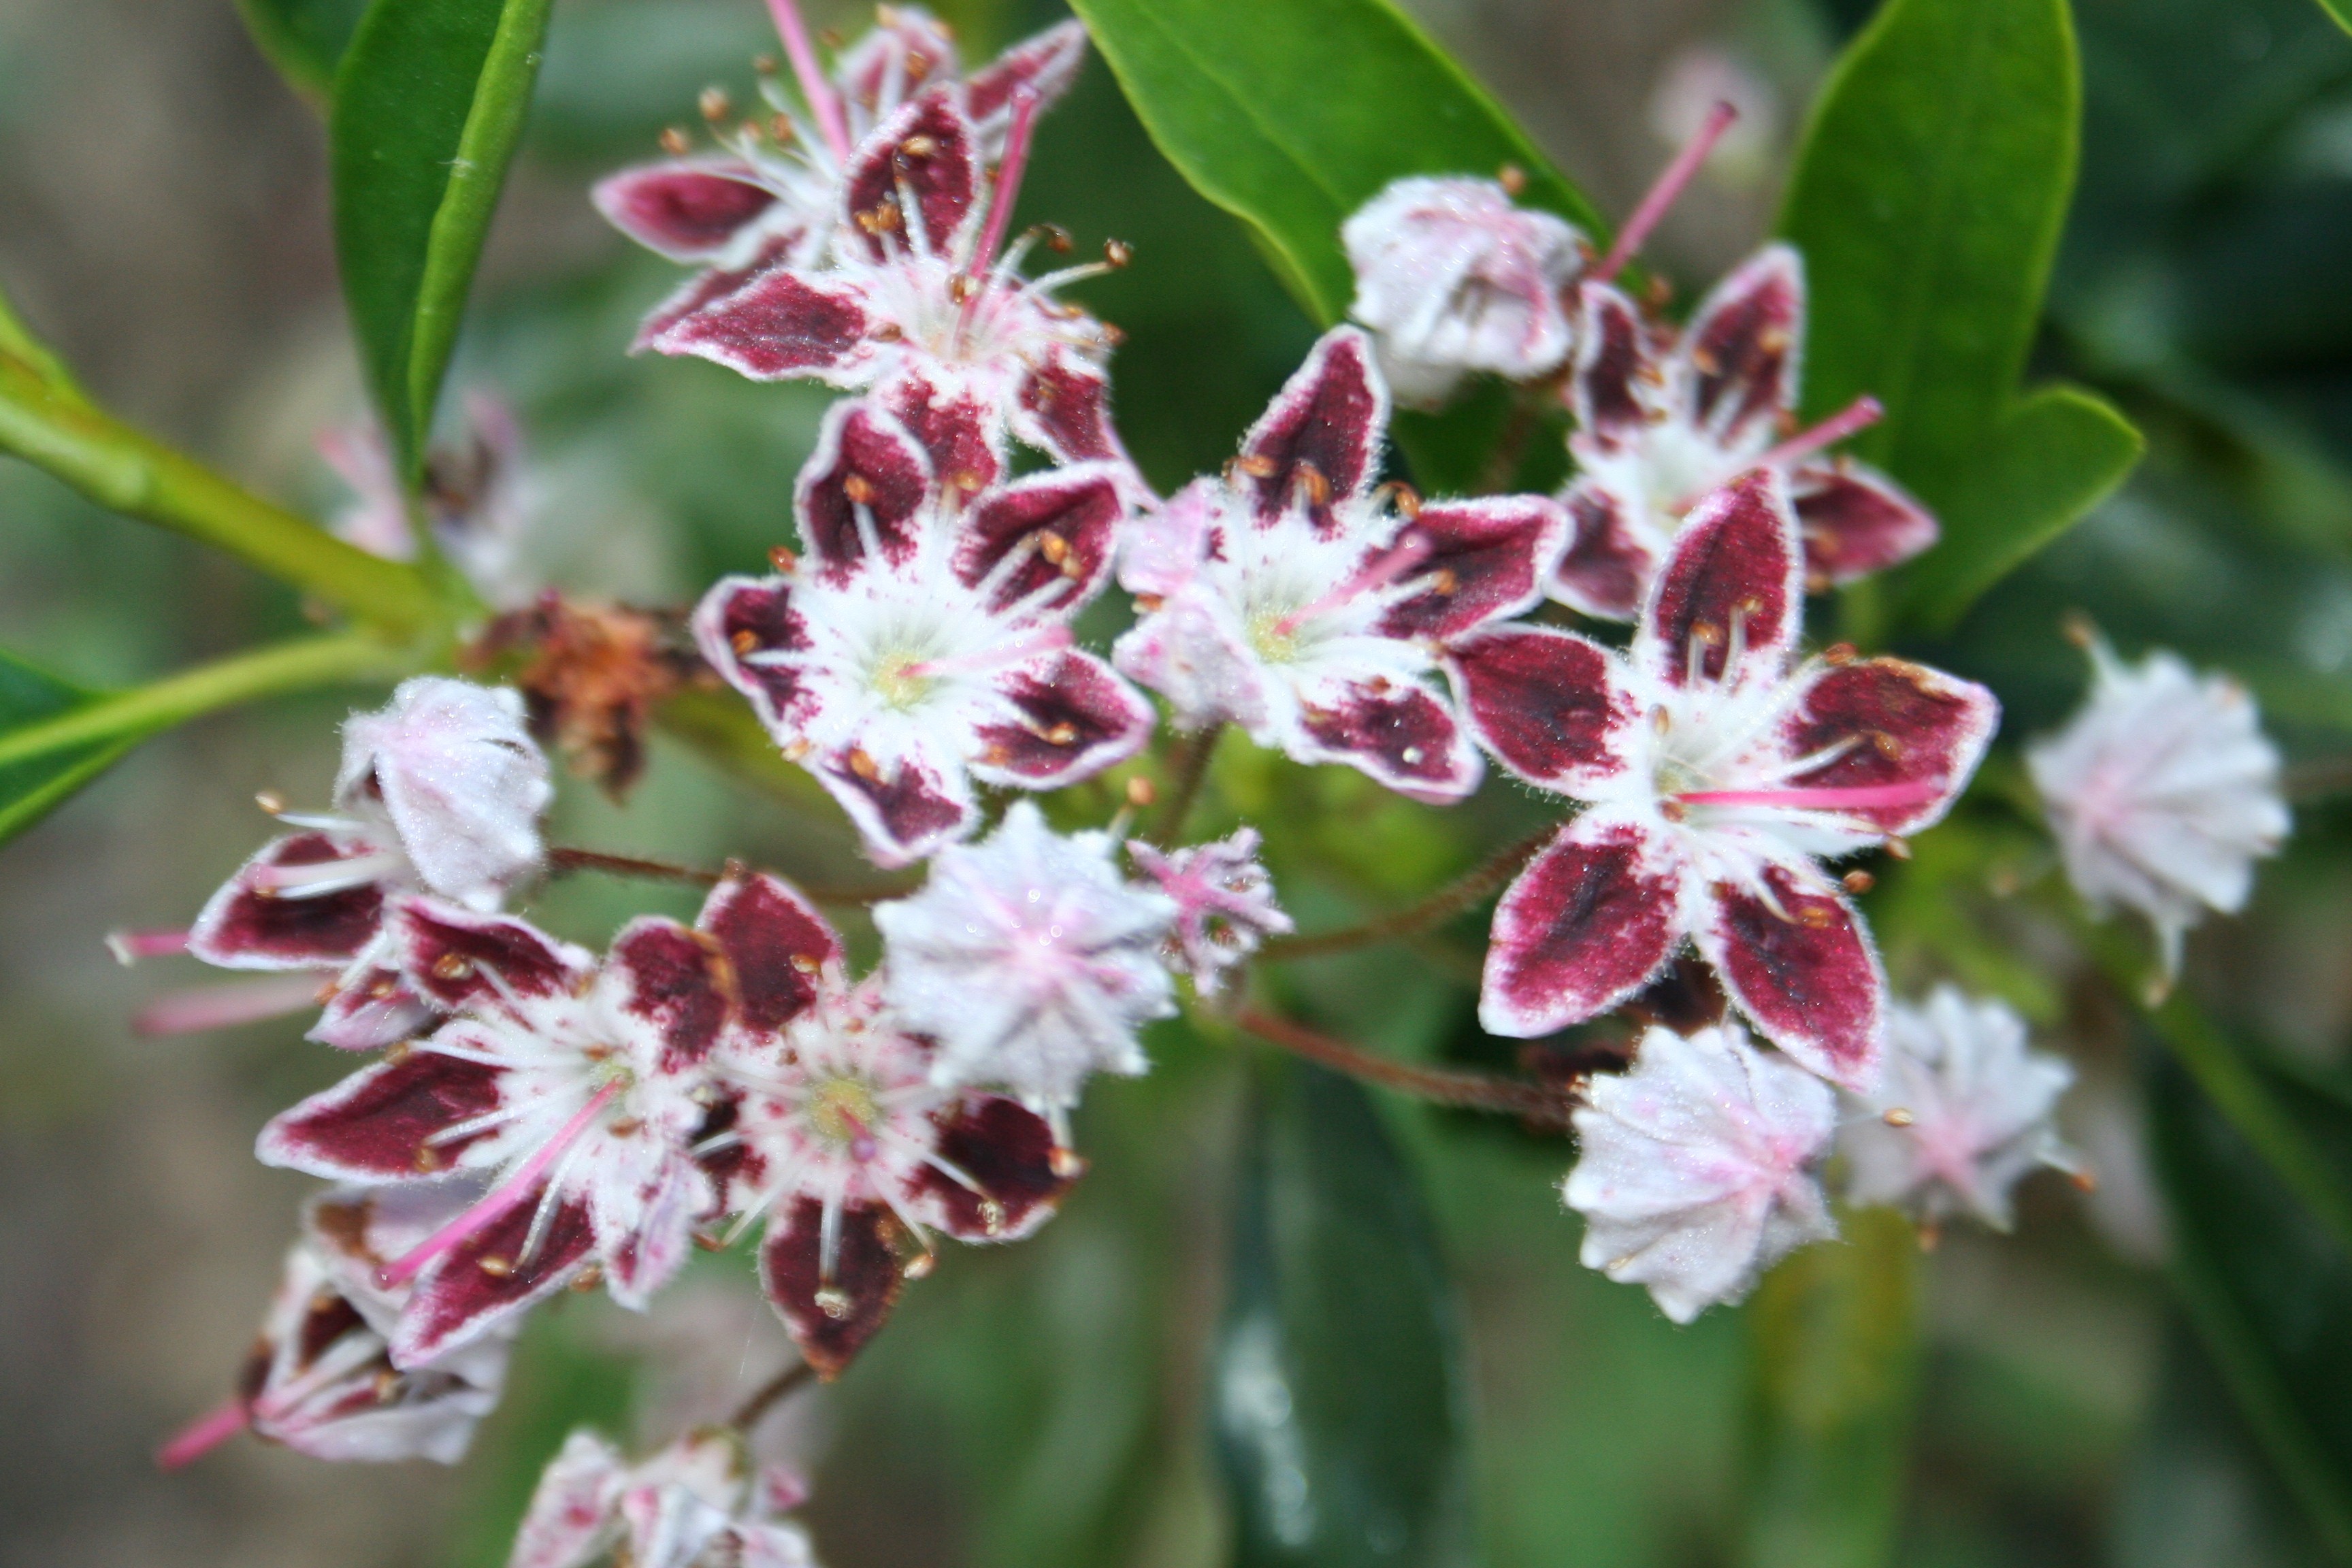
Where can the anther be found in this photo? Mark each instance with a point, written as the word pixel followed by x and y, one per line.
pixel 270 801
pixel 714 104
pixel 497 1267
pixel 783 559
pixel 743 643
pixel 858 488
pixel 1117 253
pixel 1513 179
pixel 1256 465
pixel 1140 791
pixel 832 1301
pixel 1896 1116
pixel 919 146
pixel 1840 654
pixel 919 1265
pixel 674 142
pixel 863 766
pixel 452 966
pixel 1857 882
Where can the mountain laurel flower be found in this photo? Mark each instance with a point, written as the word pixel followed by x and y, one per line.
pixel 1225 903
pixel 1665 418
pixel 924 641
pixel 2162 790
pixel 480 500
pixel 1452 278
pixel 1694 1173
pixel 321 1378
pixel 1719 771
pixel 1963 1111
pixel 1031 961
pixel 698 1503
pixel 1293 596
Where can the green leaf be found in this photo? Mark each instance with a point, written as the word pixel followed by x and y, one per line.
pixel 1835 1360
pixel 2340 10
pixel 429 104
pixel 305 39
pixel 1337 1386
pixel 33 785
pixel 2267 1281
pixel 1292 116
pixel 1929 201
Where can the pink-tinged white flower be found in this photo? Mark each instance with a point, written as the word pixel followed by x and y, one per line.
pixel 480 500
pixel 2163 791
pixel 698 1503
pixel 835 1134
pixel 1963 1111
pixel 1719 771
pixel 916 304
pixel 578 1089
pixel 1031 961
pixel 1693 1171
pixel 1225 903
pixel 1665 418
pixel 321 1379
pixel 1292 597
pixel 924 639
pixel 1453 278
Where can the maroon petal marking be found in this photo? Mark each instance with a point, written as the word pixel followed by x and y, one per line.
pixel 1855 521
pixel 675 980
pixel 1403 735
pixel 374 1125
pixel 831 1319
pixel 1805 972
pixel 1591 920
pixel 1047 63
pixel 1066 520
pixel 373 1006
pixel 958 430
pixel 780 326
pixel 909 44
pixel 1737 555
pixel 922 153
pixel 1608 565
pixel 740 616
pixel 687 210
pixel 1319 438
pixel 1488 560
pixel 1898 723
pixel 905 810
pixel 444 950
pixel 485 1279
pixel 712 283
pixel 245 926
pixel 1743 343
pixel 1549 704
pixel 775 943
pixel 1063 407
pixel 1617 375
pixel 1076 718
pixel 864 458
pixel 1007 1150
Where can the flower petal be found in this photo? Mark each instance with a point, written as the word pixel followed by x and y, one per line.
pixel 372 1004
pixel 1401 733
pixel 904 809
pixel 1488 559
pixel 571 1506
pixel 906 51
pixel 1007 1150
pixel 782 325
pixel 675 981
pixel 830 1320
pixel 247 925
pixel 1608 563
pixel 1898 723
pixel 1805 972
pixel 1742 344
pixel 1065 521
pixel 485 1279
pixel 1737 559
pixel 688 209
pixel 1855 521
pixel 711 284
pixel 1047 63
pixel 1075 718
pixel 644 1226
pixel 444 950
pixel 1616 370
pixel 1063 407
pixel 1591 922
pixel 1320 437
pixel 379 1124
pixel 954 423
pixel 775 943
pixel 740 616
pixel 922 154
pixel 1549 705
pixel 866 475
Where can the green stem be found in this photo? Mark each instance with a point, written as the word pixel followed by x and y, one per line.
pixel 1537 1103
pixel 1456 897
pixel 265 672
pixel 1188 769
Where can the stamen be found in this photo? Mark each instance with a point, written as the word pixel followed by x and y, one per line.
pixel 1044 640
pixel 1009 170
pixel 202 1435
pixel 129 946
pixel 1850 797
pixel 1412 549
pixel 1662 195
pixel 1860 415
pixel 320 877
pixel 501 1198
pixel 813 87
pixel 222 1006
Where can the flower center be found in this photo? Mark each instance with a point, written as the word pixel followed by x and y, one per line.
pixel 842 1111
pixel 900 680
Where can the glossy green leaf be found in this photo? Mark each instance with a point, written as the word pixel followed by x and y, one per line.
pixel 2268 1282
pixel 1292 116
pixel 305 39
pixel 1928 202
pixel 2340 10
pixel 429 104
pixel 33 785
pixel 1337 1384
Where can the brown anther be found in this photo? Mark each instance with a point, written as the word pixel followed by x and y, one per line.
pixel 1840 654
pixel 1054 237
pixel 1900 848
pixel 588 1279
pixel 1062 734
pixel 1897 1116
pixel 1816 917
pixel 765 65
pixel 832 1301
pixel 1256 465
pixel 398 1052
pixel 1148 603
pixel 1706 634
pixel 1660 293
pixel 919 1265
pixel 453 966
pixel 997 755
pixel 783 559
pixel 795 749
pixel 992 1215
pixel 864 765
pixel 427 1158
pixel 1673 810
pixel 781 131
pixel 270 801
pixel 1443 581
pixel 714 104
pixel 2084 1181
pixel 626 1127
pixel 1857 882
pixel 858 488
pixel 384 1387
pixel 1773 339
pixel 919 146
pixel 961 287
pixel 881 218
pixel 1819 582
pixel 1111 334
pixel 1141 791
pixel 745 643
pixel 494 1265
pixel 1513 179
pixel 1118 253
pixel 807 963
pixel 674 142
pixel 1307 476
pixel 965 480
pixel 1886 746
pixel 888 332
pixel 1066 1164
pixel 2078 629
pixel 1053 546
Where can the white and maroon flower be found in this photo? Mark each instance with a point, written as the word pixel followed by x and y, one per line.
pixel 1665 418
pixel 698 1503
pixel 2163 791
pixel 1031 961
pixel 1963 1111
pixel 1719 771
pixel 1225 903
pixel 321 1378
pixel 1453 278
pixel 578 1089
pixel 1297 600
pixel 1693 1171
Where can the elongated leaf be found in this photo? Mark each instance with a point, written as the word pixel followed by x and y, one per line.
pixel 32 787
pixel 305 39
pixel 2340 10
pixel 1292 116
pixel 429 104
pixel 1929 201
pixel 1337 1393
pixel 2268 1282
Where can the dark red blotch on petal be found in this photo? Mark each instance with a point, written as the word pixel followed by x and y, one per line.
pixel 910 804
pixel 758 617
pixel 324 928
pixel 1403 733
pixel 1735 557
pixel 486 1278
pixel 1803 973
pixel 685 211
pixel 444 950
pixel 1045 62
pixel 1065 409
pixel 774 943
pixel 377 1124
pixel 863 460
pixel 1543 702
pixel 1899 724
pixel 1742 344
pixel 1008 1152
pixel 1613 363
pixel 923 154
pixel 675 984
pixel 1855 521
pixel 831 1318
pixel 1064 522
pixel 1485 561
pixel 1077 716
pixel 705 287
pixel 1319 438
pixel 955 429
pixel 1605 568
pixel 779 325
pixel 1587 923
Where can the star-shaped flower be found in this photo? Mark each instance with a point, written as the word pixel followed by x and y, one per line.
pixel 1297 600
pixel 1225 903
pixel 1963 1111
pixel 1719 771
pixel 697 1503
pixel 1665 418
pixel 2163 791
pixel 1694 1173
pixel 925 641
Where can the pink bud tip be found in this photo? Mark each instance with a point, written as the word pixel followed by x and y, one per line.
pixel 203 1007
pixel 202 1436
